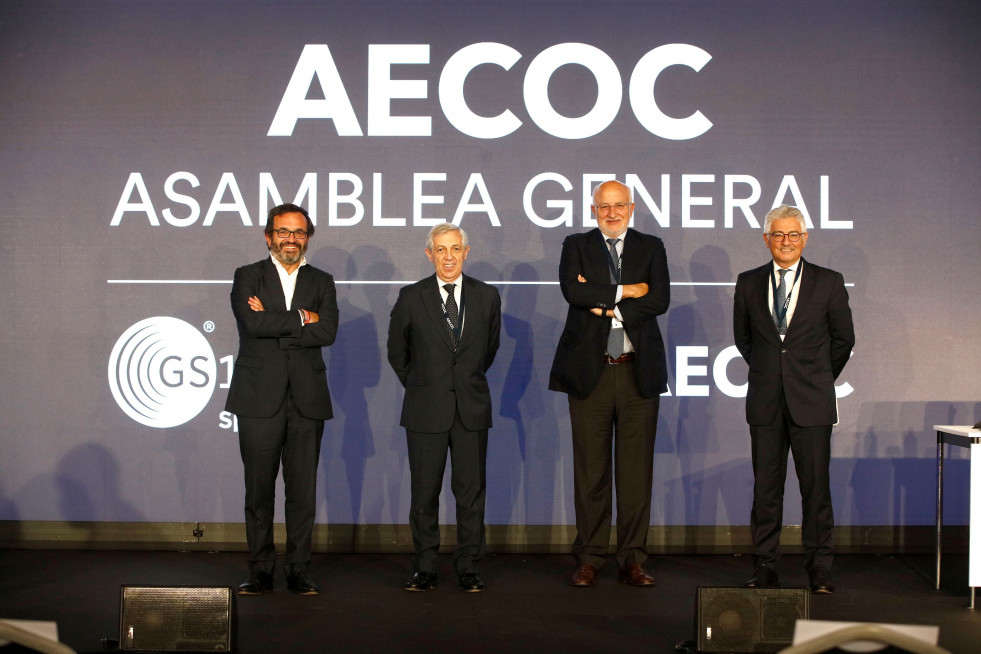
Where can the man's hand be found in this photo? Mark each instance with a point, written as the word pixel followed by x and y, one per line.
pixel 635 290
pixel 314 317
pixel 255 304
pixel 596 311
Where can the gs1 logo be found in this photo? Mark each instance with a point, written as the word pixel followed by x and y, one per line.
pixel 162 372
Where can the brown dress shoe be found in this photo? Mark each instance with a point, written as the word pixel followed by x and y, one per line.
pixel 584 576
pixel 635 575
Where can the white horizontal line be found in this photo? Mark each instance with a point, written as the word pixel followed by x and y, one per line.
pixel 401 282
pixel 168 281
pixel 703 283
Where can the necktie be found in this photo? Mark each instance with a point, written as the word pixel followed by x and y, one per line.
pixel 780 300
pixel 452 313
pixel 616 258
pixel 614 343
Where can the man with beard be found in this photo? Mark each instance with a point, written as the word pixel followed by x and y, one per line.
pixel 610 362
pixel 286 312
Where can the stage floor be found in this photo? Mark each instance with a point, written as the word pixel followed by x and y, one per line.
pixel 529 605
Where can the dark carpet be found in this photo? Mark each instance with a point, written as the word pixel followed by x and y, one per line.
pixel 529 605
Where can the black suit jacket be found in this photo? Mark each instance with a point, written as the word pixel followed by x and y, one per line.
pixel 438 381
pixel 806 363
pixel 579 358
pixel 276 351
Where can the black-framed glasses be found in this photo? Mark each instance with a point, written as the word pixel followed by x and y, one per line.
pixel 793 237
pixel 284 234
pixel 606 207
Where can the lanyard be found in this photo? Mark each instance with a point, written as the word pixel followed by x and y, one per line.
pixel 781 312
pixel 614 267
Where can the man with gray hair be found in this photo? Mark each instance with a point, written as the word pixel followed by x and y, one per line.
pixel 610 362
pixel 442 338
pixel 793 326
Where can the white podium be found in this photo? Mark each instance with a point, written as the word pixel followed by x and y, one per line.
pixel 962 436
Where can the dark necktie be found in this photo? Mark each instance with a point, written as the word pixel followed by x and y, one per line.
pixel 452 313
pixel 779 301
pixel 614 343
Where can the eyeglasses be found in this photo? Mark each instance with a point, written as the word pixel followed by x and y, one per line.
pixel 793 237
pixel 606 207
pixel 300 234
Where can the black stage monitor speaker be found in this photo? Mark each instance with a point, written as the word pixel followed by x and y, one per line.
pixel 748 619
pixel 175 618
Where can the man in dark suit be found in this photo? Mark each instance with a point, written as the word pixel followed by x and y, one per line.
pixel 442 338
pixel 610 361
pixel 793 326
pixel 286 312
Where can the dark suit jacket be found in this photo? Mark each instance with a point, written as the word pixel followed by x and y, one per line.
pixel 438 381
pixel 276 351
pixel 579 357
pixel 806 363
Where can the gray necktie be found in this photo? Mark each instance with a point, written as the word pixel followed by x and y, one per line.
pixel 779 301
pixel 614 343
pixel 452 313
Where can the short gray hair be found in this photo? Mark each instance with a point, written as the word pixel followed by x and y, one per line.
pixel 784 211
pixel 443 228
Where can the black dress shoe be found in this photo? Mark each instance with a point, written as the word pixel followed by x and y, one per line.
pixel 258 582
pixel 300 583
pixel 421 581
pixel 763 577
pixel 471 583
pixel 821 582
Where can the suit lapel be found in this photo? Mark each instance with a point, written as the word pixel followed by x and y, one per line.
pixel 270 276
pixel 597 254
pixel 761 287
pixel 472 314
pixel 432 300
pixel 303 292
pixel 630 262
pixel 804 287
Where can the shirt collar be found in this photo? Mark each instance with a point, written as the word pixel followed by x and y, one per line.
pixel 794 267
pixel 619 236
pixel 455 280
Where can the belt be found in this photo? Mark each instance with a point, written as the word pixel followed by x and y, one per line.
pixel 626 357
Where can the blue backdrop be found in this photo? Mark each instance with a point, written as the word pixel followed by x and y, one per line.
pixel 142 143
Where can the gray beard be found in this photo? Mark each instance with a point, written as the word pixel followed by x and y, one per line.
pixel 286 259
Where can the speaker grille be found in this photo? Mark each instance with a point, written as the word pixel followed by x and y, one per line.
pixel 748 619
pixel 175 618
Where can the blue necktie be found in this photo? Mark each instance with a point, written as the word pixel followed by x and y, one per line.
pixel 780 300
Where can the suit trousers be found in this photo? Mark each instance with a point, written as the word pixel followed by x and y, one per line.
pixel 468 481
pixel 811 449
pixel 614 406
pixel 293 439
